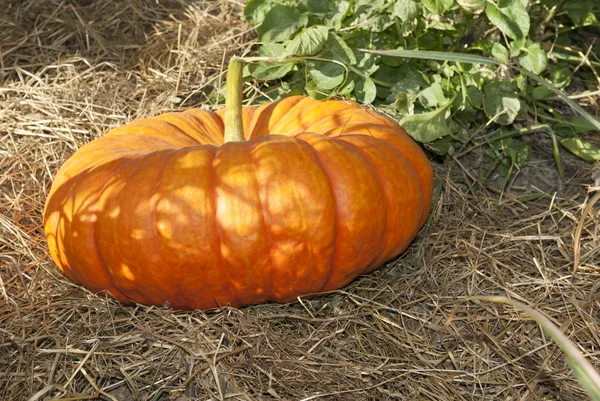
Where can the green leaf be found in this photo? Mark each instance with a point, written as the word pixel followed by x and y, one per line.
pixel 371 15
pixel 406 10
pixel 441 26
pixel 581 12
pixel 432 96
pixel 561 75
pixel 267 71
pixel 309 42
pixel 472 6
pixel 427 127
pixel 317 6
pixel 341 9
pixel 256 10
pixel 499 52
pixel 365 91
pixel 281 23
pixel 582 124
pixel 500 104
pixel 521 82
pixel 347 88
pixel 519 154
pixel 534 59
pixel 438 7
pixel 475 96
pixel 582 149
pixel 326 75
pixel 471 58
pixel 517 47
pixel 441 146
pixel 315 92
pixel 541 92
pixel 330 74
pixel 336 49
pixel 510 16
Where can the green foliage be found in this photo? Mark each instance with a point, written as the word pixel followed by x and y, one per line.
pixel 581 148
pixel 443 68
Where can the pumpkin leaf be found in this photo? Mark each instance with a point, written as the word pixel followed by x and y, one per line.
pixel 582 149
pixel 581 13
pixel 406 10
pixel 432 96
pixel 475 96
pixel 500 52
pixel 340 10
pixel 427 127
pixel 534 59
pixel 281 23
pixel 335 48
pixel 270 71
pixel 438 7
pixel 500 104
pixel 309 42
pixel 510 16
pixel 365 90
pixel 472 6
pixel 331 71
pixel 560 75
pixel 326 74
pixel 256 10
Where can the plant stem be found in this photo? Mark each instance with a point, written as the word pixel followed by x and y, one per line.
pixel 234 131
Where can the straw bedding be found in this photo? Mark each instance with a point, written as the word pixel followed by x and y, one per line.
pixel 70 71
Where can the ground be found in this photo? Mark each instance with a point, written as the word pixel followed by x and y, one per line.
pixel 71 72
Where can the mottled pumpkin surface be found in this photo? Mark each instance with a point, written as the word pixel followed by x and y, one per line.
pixel 160 210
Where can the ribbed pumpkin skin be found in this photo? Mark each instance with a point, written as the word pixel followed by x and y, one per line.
pixel 160 210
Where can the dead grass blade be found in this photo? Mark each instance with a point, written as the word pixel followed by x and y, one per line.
pixel 579 230
pixel 585 372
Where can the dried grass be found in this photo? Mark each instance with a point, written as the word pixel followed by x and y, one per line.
pixel 72 70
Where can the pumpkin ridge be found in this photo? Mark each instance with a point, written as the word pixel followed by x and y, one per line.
pixel 152 215
pixel 168 141
pixel 312 107
pixel 95 227
pixel 392 252
pixel 343 104
pixel 378 177
pixel 154 222
pixel 406 147
pixel 219 230
pixel 335 202
pixel 101 192
pixel 178 128
pixel 107 274
pixel 292 115
pixel 271 296
pixel 198 114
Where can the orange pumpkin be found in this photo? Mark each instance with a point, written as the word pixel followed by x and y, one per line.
pixel 162 210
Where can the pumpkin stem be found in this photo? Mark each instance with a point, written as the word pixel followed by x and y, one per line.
pixel 234 131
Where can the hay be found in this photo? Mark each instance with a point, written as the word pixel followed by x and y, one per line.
pixel 70 71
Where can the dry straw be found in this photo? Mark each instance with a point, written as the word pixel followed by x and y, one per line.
pixel 70 71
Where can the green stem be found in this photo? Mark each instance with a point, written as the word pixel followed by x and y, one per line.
pixel 234 130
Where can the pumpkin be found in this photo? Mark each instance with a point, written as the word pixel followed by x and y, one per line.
pixel 238 207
